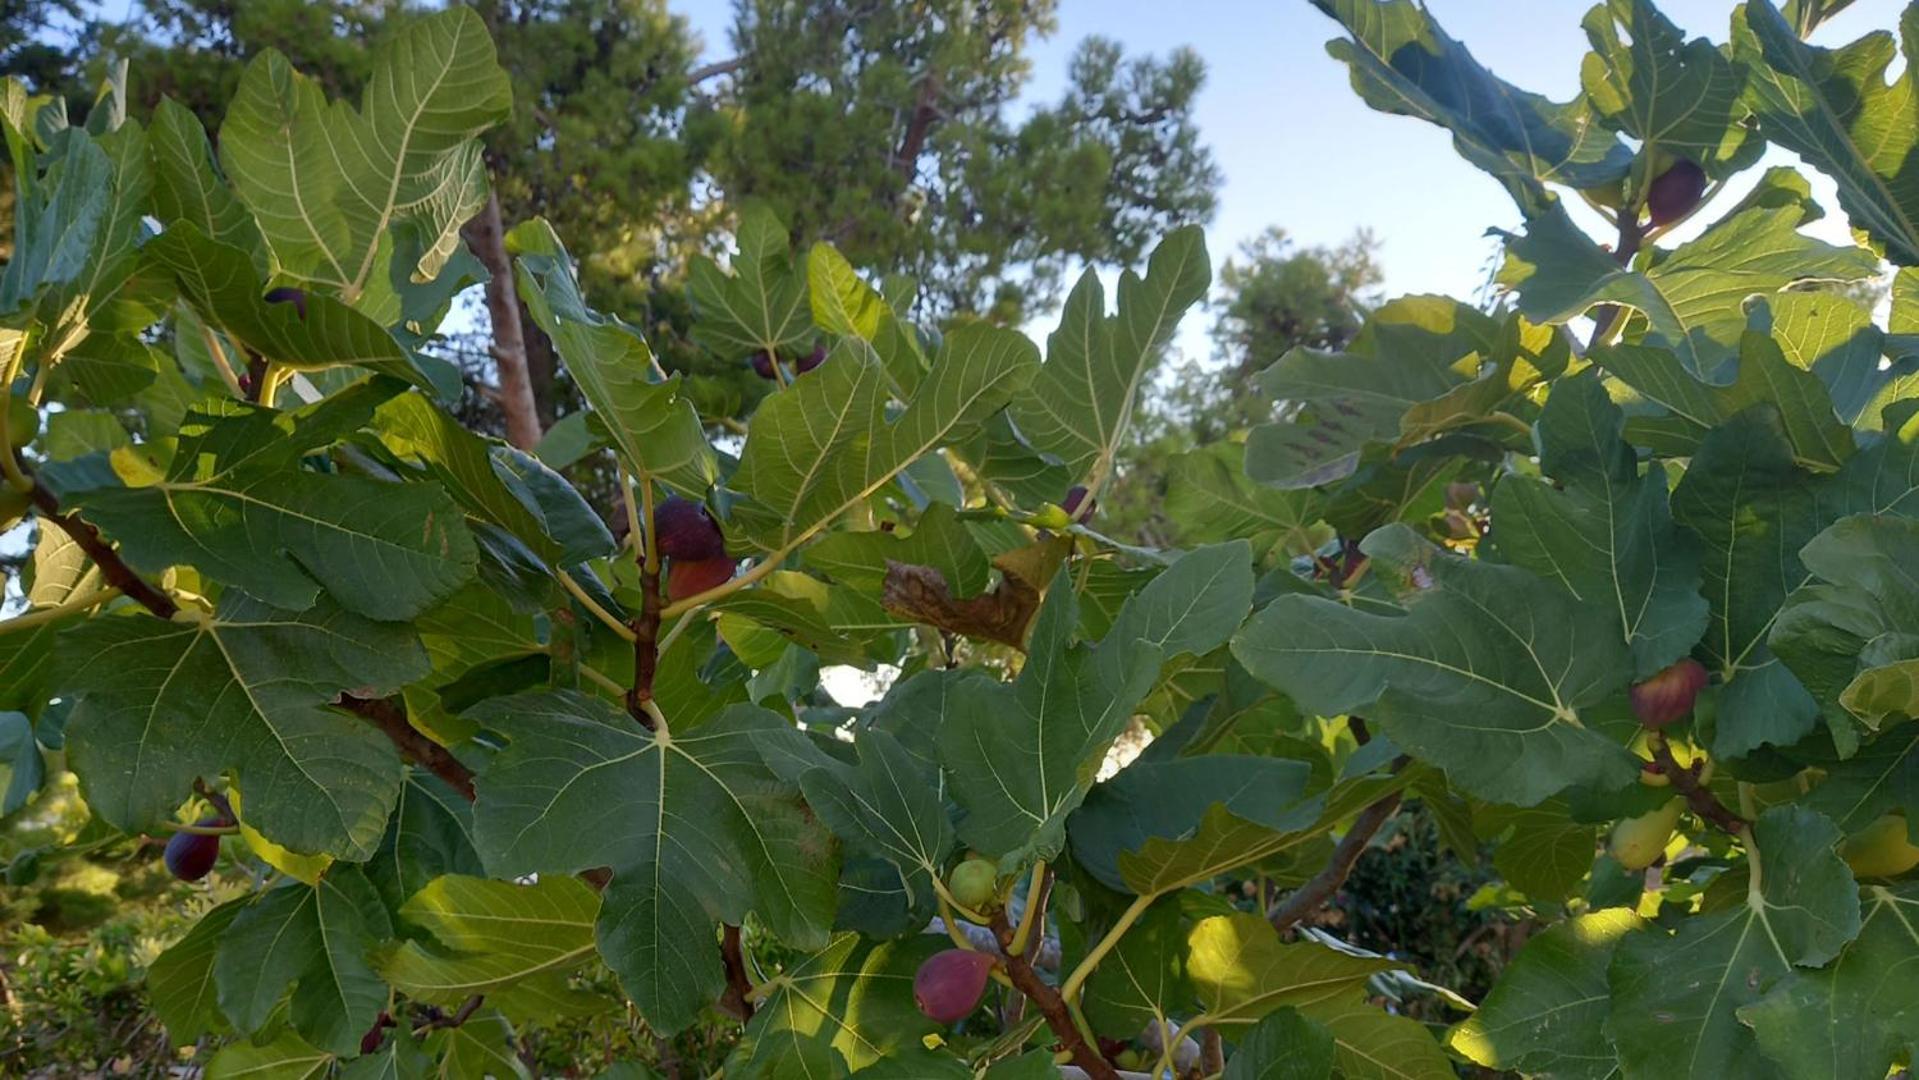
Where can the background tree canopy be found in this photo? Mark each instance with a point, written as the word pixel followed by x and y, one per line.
pixel 884 128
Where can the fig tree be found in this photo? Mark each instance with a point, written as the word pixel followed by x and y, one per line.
pixel 1668 695
pixel 190 855
pixel 1638 842
pixel 811 360
pixel 686 578
pixel 1881 849
pixel 975 883
pixel 763 364
pixel 1674 192
pixel 948 985
pixel 686 531
pixel 13 505
pixel 287 294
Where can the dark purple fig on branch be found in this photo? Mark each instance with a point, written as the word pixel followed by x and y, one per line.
pixel 948 985
pixel 686 531
pixel 1668 695
pixel 686 578
pixel 189 856
pixel 375 1035
pixel 811 360
pixel 287 294
pixel 1675 192
pixel 1072 504
pixel 763 365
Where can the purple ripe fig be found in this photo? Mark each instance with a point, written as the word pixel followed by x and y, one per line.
pixel 691 578
pixel 763 365
pixel 287 294
pixel 687 531
pixel 375 1035
pixel 1071 504
pixel 948 985
pixel 1674 193
pixel 1668 695
pixel 811 360
pixel 189 856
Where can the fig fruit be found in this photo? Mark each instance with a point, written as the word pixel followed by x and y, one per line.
pixel 1071 504
pixel 1881 849
pixel 189 856
pixel 287 294
pixel 948 985
pixel 975 883
pixel 1638 842
pixel 1668 695
pixel 811 360
pixel 1653 774
pixel 686 531
pixel 23 422
pixel 686 578
pixel 1674 193
pixel 763 365
pixel 375 1035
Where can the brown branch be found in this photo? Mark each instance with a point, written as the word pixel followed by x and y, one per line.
pixel 1212 1052
pixel 714 70
pixel 1308 897
pixel 459 1016
pixel 646 643
pixel 1044 996
pixel 925 111
pixel 414 746
pixel 486 237
pixel 256 377
pixel 1630 236
pixel 112 566
pixel 1699 797
pixel 737 1000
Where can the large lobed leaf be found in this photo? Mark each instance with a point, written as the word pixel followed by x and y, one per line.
pixel 1491 673
pixel 694 825
pixel 246 689
pixel 327 181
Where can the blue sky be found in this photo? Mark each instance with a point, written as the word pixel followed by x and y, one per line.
pixel 1300 151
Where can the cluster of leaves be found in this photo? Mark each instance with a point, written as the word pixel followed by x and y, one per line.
pixel 486 748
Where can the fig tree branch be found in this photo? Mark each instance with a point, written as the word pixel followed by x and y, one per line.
pixel 1699 798
pixel 737 1001
pixel 1309 897
pixel 1049 1002
pixel 390 717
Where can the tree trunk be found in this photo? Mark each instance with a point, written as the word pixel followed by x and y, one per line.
pixel 486 235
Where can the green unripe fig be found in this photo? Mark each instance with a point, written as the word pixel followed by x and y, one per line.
pixel 1653 774
pixel 1130 1060
pixel 975 884
pixel 1639 841
pixel 23 423
pixel 1881 849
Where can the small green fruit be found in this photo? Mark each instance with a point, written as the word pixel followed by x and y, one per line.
pixel 1639 841
pixel 975 883
pixel 23 423
pixel 1881 849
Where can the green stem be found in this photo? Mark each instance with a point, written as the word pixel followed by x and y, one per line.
pixel 593 606
pixel 1031 915
pixel 45 615
pixel 1070 988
